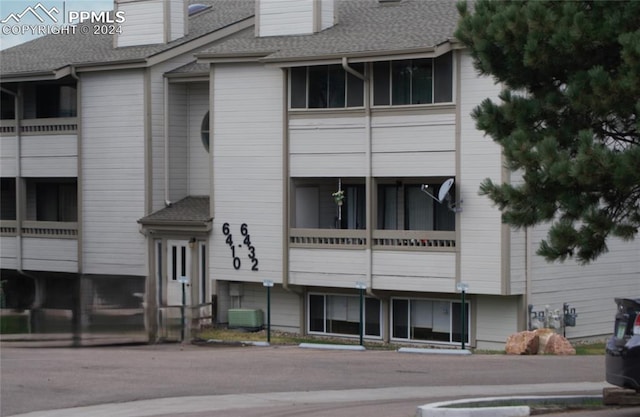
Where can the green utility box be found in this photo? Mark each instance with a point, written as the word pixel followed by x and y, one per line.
pixel 244 318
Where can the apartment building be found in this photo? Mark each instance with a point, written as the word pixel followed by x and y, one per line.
pixel 324 146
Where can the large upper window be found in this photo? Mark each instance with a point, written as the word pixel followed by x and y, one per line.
pixel 413 81
pixel 7 106
pixel 8 200
pixel 406 207
pixel 326 86
pixel 54 100
pixel 53 200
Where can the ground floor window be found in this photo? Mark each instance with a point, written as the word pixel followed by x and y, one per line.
pixel 428 320
pixel 340 314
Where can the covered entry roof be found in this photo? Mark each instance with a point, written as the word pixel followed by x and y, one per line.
pixel 189 214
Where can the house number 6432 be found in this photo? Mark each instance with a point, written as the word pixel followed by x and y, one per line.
pixel 244 231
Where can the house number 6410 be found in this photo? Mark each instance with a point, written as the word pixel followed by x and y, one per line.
pixel 244 231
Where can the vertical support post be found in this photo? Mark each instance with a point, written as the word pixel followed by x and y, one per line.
pixel 268 284
pixel 462 287
pixel 268 314
pixel 182 315
pixel 361 286
pixel 184 281
pixel 464 322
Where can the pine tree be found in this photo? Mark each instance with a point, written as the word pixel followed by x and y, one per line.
pixel 568 117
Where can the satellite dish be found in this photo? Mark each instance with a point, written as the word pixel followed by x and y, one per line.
pixel 444 189
pixel 443 194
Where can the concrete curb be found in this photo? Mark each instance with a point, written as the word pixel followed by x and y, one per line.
pixel 444 409
pixel 331 347
pixel 435 351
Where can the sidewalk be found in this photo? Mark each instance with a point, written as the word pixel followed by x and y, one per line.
pixel 237 402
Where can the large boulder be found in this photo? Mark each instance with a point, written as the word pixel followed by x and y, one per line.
pixel 558 345
pixel 540 341
pixel 522 343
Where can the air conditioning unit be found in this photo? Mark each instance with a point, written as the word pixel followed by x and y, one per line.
pixel 244 318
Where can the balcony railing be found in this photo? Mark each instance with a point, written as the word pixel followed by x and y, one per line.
pixel 421 240
pixel 49 126
pixel 406 240
pixel 8 227
pixel 30 228
pixel 322 238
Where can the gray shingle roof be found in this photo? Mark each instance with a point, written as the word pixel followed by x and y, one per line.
pixel 189 209
pixel 52 52
pixel 364 27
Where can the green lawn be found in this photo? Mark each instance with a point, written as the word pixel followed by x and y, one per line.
pixel 283 338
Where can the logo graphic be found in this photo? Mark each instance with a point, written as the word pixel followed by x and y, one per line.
pixel 36 12
pixel 40 20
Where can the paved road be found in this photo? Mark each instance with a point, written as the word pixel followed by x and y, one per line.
pixel 193 381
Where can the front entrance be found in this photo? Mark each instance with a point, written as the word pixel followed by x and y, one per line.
pixel 179 268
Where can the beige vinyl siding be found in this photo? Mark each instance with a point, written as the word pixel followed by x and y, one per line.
pixel 177 19
pixel 496 319
pixel 178 133
pixel 143 25
pixel 327 267
pixel 285 306
pixel 52 155
pixel 414 271
pixel 247 139
pixel 55 255
pixel 409 164
pixel 327 146
pixel 590 289
pixel 285 17
pixel 327 11
pixel 113 172
pixel 414 133
pixel 9 252
pixel 8 156
pixel 480 224
pixel 49 156
pixel 198 155
pixel 518 261
pixel 178 143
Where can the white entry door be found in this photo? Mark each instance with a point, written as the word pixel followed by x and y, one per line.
pixel 178 265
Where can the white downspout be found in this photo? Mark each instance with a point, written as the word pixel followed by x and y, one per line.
pixel 165 133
